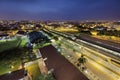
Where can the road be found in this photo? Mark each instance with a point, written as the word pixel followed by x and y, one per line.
pixel 95 69
pixel 99 58
pixel 107 48
pixel 103 43
pixel 114 55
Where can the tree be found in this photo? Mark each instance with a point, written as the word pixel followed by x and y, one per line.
pixel 74 50
pixel 50 77
pixel 44 77
pixel 41 77
pixel 56 38
pixel 82 61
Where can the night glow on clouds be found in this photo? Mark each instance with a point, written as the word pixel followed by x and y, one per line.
pixel 60 9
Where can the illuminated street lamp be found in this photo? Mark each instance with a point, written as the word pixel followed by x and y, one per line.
pixel 9 72
pixel 12 66
pixel 59 50
pixel 86 71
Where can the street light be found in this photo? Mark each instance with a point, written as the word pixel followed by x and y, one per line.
pixel 59 50
pixel 9 72
pixel 86 71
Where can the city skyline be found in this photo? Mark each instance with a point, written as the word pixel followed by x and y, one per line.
pixel 60 9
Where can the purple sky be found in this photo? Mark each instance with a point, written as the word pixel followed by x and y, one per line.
pixel 60 9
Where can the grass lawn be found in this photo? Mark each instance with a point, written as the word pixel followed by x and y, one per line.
pixel 11 58
pixel 41 45
pixel 9 44
pixel 11 53
pixel 109 38
pixel 34 70
pixel 5 68
pixel 23 42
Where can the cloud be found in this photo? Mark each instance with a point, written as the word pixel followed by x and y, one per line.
pixel 60 9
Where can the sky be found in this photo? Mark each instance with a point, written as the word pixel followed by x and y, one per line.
pixel 60 9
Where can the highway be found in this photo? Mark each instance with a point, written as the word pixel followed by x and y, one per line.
pixel 103 43
pixel 98 62
pixel 97 58
pixel 114 55
pixel 93 64
pixel 73 59
pixel 107 48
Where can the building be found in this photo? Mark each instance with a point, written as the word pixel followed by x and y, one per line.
pixel 15 75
